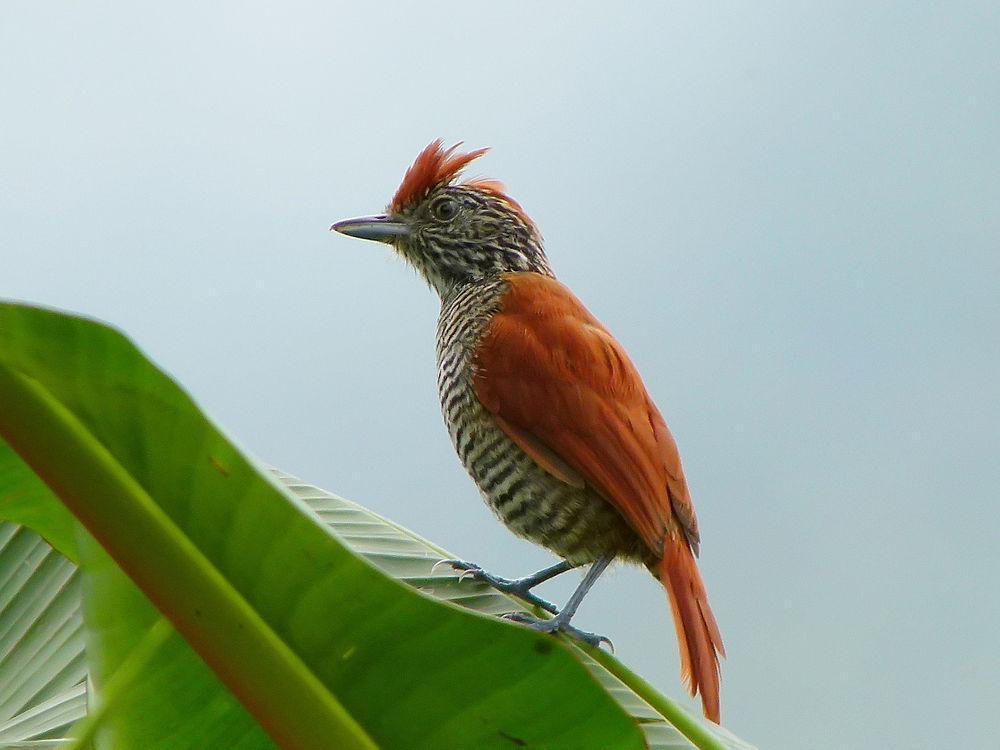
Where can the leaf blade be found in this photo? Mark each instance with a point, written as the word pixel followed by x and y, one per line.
pixel 287 565
pixel 258 666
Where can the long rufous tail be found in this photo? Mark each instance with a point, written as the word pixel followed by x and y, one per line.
pixel 698 635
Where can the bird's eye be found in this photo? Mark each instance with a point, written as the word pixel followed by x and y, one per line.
pixel 445 209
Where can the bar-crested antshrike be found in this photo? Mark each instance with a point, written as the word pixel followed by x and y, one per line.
pixel 546 410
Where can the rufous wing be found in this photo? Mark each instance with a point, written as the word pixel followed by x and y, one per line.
pixel 566 392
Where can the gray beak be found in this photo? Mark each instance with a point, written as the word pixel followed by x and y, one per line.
pixel 379 228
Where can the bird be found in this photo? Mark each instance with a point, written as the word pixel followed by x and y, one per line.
pixel 544 407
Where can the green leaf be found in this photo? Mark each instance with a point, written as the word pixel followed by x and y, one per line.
pixel 25 499
pixel 410 558
pixel 321 647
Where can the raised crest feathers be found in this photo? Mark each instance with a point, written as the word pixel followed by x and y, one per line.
pixel 437 165
pixel 433 166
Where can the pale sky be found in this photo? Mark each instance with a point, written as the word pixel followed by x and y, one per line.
pixel 788 214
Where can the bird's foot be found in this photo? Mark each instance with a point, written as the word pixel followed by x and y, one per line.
pixel 519 587
pixel 556 624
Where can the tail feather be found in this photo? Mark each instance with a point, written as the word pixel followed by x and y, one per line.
pixel 698 635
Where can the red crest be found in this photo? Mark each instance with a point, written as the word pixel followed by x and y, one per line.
pixel 435 165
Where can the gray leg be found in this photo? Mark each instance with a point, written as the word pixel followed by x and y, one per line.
pixel 519 587
pixel 561 620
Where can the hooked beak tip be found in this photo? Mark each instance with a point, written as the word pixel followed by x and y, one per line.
pixel 381 228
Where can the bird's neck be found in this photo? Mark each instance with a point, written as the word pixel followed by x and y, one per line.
pixel 485 283
pixel 447 266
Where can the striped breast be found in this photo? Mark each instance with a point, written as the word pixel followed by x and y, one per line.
pixel 577 524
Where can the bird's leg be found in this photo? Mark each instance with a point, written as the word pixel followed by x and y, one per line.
pixel 519 587
pixel 561 620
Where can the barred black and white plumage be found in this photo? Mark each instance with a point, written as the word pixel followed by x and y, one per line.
pixel 575 523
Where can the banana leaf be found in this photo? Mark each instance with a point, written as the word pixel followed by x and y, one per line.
pixel 226 606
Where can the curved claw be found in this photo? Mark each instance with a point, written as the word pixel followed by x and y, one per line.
pixel 454 565
pixel 555 625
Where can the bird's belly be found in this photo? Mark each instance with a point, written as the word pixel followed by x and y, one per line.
pixel 575 523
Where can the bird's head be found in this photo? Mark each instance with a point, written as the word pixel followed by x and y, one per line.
pixel 453 232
